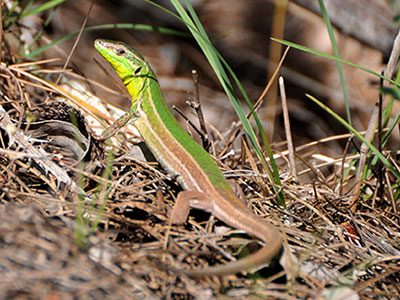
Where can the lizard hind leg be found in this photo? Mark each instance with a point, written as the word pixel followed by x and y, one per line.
pixel 186 200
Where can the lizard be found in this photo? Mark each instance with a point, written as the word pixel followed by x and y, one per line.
pixel 204 186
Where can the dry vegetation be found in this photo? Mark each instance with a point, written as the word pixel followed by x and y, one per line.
pixel 80 223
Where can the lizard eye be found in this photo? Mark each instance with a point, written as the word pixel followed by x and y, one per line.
pixel 137 70
pixel 121 51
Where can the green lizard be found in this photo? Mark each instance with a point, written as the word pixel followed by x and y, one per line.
pixel 203 182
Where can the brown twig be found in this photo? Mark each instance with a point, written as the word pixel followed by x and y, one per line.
pixel 75 43
pixel 259 100
pixel 288 131
pixel 380 164
pixel 346 150
pixel 195 104
pixel 198 131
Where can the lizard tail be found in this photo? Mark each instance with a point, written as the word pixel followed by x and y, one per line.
pixel 273 245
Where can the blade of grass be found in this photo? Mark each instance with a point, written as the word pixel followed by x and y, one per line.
pixel 336 53
pixel 322 54
pixel 43 7
pixel 386 136
pixel 11 19
pixel 32 55
pixel 389 106
pixel 9 12
pixel 358 135
pixel 50 16
pixel 85 225
pixel 24 8
pixel 103 193
pixel 388 111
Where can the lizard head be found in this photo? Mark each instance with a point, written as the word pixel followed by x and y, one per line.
pixel 130 66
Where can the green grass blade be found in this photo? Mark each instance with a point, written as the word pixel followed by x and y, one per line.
pixel 336 53
pixel 25 8
pixel 32 55
pixel 322 54
pixel 358 135
pixel 9 12
pixel 52 13
pixel 389 107
pixel 43 7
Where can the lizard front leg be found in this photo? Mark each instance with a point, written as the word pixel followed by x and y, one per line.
pixel 114 127
pixel 126 118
